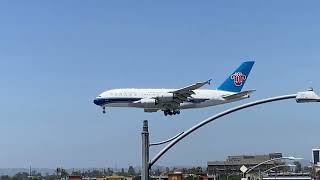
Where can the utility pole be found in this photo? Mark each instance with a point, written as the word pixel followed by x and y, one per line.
pixel 145 151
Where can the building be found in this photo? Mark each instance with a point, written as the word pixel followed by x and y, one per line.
pixel 100 178
pixel 74 177
pixel 159 177
pixel 316 156
pixel 175 176
pixel 286 176
pixel 118 178
pixel 233 164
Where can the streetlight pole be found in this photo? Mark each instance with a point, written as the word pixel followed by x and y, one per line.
pixel 145 151
pixel 301 97
pixel 145 173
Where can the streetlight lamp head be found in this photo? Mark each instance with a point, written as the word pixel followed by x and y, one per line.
pixel 307 96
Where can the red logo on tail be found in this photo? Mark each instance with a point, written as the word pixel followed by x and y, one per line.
pixel 238 78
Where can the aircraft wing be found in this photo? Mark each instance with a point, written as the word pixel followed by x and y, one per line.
pixel 183 93
pixel 238 95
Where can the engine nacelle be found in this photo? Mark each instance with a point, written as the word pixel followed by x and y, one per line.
pixel 167 97
pixel 151 102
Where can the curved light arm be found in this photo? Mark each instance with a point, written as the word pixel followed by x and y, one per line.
pixel 269 160
pixel 274 159
pixel 284 165
pixel 166 141
pixel 212 118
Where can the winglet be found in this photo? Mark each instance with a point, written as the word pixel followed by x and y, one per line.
pixel 209 81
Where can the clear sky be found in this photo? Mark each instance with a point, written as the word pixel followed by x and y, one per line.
pixel 56 56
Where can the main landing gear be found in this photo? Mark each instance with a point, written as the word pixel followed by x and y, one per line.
pixel 169 112
pixel 104 110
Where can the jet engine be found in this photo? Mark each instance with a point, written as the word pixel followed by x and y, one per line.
pixel 167 97
pixel 149 102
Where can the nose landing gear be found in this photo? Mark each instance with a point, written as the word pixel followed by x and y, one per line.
pixel 104 110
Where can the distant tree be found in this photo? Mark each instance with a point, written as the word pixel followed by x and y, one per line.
pixel 6 177
pixel 131 171
pixel 109 172
pixel 318 174
pixel 76 173
pixel 307 169
pixel 189 177
pixel 95 173
pixel 33 173
pixel 174 169
pixel 157 172
pixel 167 170
pixel 122 173
pixel 51 177
pixel 193 177
pixel 58 171
pixel 136 178
pixel 184 170
pixel 21 176
pixel 298 167
pixel 62 173
pixel 199 170
pixel 234 177
pixel 195 170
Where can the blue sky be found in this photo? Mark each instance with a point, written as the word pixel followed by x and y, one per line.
pixel 56 56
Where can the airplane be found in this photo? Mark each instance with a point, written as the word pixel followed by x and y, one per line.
pixel 171 101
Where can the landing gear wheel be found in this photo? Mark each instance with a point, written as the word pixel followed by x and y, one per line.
pixel 104 110
pixel 169 112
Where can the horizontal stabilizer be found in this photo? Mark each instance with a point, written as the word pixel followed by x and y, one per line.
pixel 238 95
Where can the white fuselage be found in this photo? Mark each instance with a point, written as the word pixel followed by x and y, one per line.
pixel 129 97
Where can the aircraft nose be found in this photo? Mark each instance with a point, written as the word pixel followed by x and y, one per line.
pixel 95 101
pixel 98 101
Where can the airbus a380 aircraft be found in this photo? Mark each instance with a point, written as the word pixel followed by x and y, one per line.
pixel 171 101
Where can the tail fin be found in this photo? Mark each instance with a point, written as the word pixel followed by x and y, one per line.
pixel 237 79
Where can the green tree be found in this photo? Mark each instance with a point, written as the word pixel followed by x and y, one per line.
pixel 58 170
pixel 95 173
pixel 21 176
pixel 64 173
pixel 136 178
pixel 167 170
pixel 6 177
pixel 76 173
pixel 307 169
pixel 318 174
pixel 298 167
pixel 109 172
pixel 131 171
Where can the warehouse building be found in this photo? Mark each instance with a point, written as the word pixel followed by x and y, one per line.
pixel 233 164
